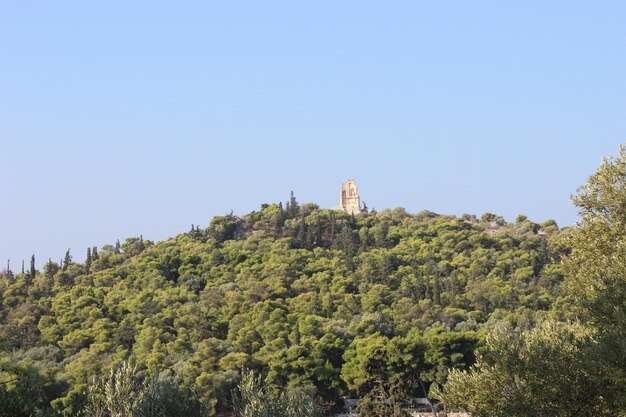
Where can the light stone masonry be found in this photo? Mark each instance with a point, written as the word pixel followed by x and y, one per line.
pixel 349 199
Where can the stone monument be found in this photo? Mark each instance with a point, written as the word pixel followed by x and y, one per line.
pixel 349 199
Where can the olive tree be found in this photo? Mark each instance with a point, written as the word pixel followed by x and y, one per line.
pixel 549 371
pixel 252 398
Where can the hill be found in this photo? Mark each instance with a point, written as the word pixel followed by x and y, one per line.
pixel 303 295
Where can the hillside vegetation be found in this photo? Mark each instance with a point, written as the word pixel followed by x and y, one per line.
pixel 305 296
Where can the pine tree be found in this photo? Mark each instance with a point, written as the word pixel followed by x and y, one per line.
pixel 302 241
pixel 50 269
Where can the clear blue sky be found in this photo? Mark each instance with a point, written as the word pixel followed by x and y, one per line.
pixel 127 117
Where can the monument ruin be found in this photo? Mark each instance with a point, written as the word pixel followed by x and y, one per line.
pixel 349 199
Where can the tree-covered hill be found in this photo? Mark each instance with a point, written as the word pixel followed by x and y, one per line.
pixel 306 296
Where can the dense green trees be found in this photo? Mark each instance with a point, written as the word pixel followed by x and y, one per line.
pixel 21 388
pixel 562 369
pixel 306 297
pixel 550 371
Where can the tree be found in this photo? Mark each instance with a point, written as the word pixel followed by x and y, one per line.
pixel 116 396
pixel 67 260
pixel 385 373
pixel 247 295
pixel 21 388
pixel 377 396
pixel 9 272
pixel 88 260
pixel 162 397
pixel 292 207
pixel 445 351
pixel 32 268
pixel 222 228
pixel 597 266
pixel 253 399
pixel 549 371
pixel 124 394
pixel 50 268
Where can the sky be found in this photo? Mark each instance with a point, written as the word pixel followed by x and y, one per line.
pixel 122 119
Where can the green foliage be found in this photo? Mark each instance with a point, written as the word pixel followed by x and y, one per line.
pixel 222 228
pixel 597 267
pixel 549 371
pixel 124 394
pixel 387 373
pixel 299 294
pixel 380 391
pixel 21 387
pixel 253 399
pixel 557 369
pixel 29 380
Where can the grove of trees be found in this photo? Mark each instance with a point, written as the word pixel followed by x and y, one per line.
pixel 385 306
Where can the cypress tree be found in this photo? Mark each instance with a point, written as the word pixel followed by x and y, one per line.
pixel 452 292
pixel 67 260
pixel 318 232
pixel 437 291
pixel 9 272
pixel 94 253
pixel 293 208
pixel 346 244
pixel 88 260
pixel 32 267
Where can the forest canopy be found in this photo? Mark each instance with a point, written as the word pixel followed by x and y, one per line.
pixel 312 298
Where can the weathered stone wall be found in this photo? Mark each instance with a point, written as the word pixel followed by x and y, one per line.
pixel 349 199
